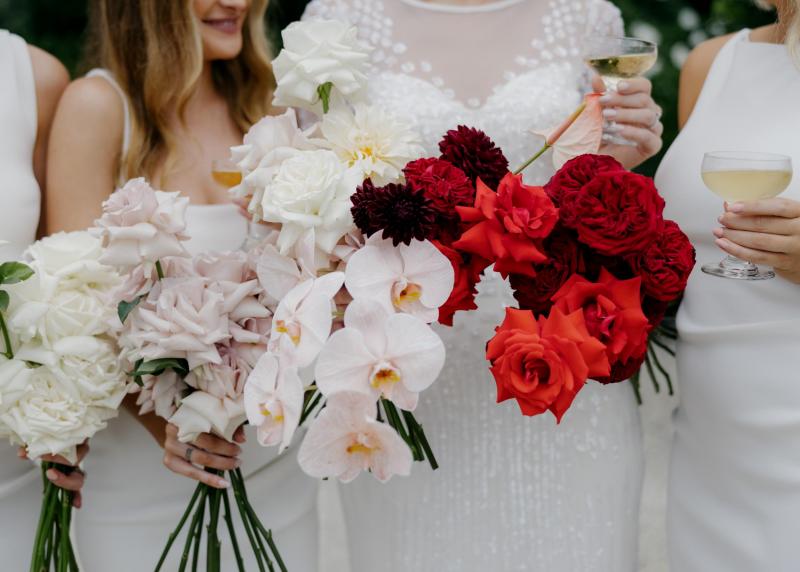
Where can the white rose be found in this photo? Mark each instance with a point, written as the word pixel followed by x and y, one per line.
pixel 311 189
pixel 15 377
pixel 49 420
pixel 316 53
pixel 372 140
pixel 201 412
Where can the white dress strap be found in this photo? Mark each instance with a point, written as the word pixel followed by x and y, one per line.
pixel 23 88
pixel 126 133
pixel 720 67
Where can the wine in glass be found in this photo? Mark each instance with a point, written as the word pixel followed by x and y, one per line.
pixel 226 173
pixel 617 59
pixel 742 176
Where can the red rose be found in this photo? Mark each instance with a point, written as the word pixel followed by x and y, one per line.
pixel 666 264
pixel 536 294
pixel 507 227
pixel 655 310
pixel 577 172
pixel 468 269
pixel 446 187
pixel 617 213
pixel 544 364
pixel 612 310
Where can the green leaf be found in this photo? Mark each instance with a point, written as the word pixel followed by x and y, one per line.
pixel 13 272
pixel 124 308
pixel 159 366
pixel 4 300
pixel 324 92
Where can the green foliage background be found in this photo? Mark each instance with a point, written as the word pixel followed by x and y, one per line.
pixel 677 25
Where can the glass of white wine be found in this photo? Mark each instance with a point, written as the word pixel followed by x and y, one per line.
pixel 617 59
pixel 740 176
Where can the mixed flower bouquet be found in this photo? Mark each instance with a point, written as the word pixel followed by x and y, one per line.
pixel 60 377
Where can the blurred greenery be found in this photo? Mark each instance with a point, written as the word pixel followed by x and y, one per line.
pixel 677 25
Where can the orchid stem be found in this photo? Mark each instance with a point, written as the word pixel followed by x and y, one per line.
pixel 159 270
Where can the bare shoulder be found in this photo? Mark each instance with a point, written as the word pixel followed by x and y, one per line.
pixel 694 73
pixel 49 74
pixel 94 104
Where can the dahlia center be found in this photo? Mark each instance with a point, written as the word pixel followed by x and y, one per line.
pixel 405 293
pixel 291 329
pixel 384 375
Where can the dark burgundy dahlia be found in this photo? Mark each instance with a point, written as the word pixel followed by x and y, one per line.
pixel 400 211
pixel 473 152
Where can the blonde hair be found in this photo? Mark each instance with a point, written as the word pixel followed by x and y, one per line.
pixel 153 48
pixel 792 28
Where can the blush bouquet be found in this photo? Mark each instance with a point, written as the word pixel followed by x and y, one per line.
pixel 190 330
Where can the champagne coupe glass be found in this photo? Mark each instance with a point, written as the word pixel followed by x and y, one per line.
pixel 739 176
pixel 617 59
pixel 226 173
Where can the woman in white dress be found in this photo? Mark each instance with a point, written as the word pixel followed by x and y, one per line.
pixel 181 83
pixel 734 494
pixel 33 81
pixel 513 493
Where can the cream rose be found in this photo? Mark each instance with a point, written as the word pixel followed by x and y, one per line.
pixel 317 53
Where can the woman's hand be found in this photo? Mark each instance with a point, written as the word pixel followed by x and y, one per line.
pixel 72 482
pixel 763 232
pixel 633 115
pixel 207 451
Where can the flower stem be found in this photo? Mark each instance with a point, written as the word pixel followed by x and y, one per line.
pixel 212 539
pixel 533 159
pixel 419 433
pixel 178 528
pixel 9 353
pixel 192 529
pixel 159 270
pixel 240 499
pixel 232 531
pixel 198 538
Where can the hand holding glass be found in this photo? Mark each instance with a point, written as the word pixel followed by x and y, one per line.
pixel 740 176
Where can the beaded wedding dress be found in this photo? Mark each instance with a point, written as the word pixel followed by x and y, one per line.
pixel 513 493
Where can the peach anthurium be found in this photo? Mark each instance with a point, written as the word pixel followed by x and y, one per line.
pixel 346 439
pixel 273 401
pixel 580 134
pixel 303 319
pixel 394 356
pixel 415 279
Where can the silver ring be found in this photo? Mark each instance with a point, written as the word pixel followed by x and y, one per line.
pixel 188 454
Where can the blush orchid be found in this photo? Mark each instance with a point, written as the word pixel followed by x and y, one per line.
pixel 346 439
pixel 273 400
pixel 303 319
pixel 381 354
pixel 415 279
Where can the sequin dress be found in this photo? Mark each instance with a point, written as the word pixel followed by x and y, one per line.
pixel 513 493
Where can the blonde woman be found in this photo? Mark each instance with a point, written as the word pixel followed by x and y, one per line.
pixel 735 479
pixel 33 82
pixel 178 83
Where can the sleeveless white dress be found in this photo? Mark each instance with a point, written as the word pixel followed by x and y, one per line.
pixel 132 502
pixel 734 498
pixel 513 493
pixel 20 481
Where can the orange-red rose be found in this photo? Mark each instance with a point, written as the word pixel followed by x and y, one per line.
pixel 468 269
pixel 544 364
pixel 612 310
pixel 508 227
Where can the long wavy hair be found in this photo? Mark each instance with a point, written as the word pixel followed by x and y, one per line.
pixel 792 27
pixel 153 49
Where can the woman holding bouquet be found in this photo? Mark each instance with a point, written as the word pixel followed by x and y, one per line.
pixel 178 84
pixel 33 83
pixel 735 475
pixel 512 493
